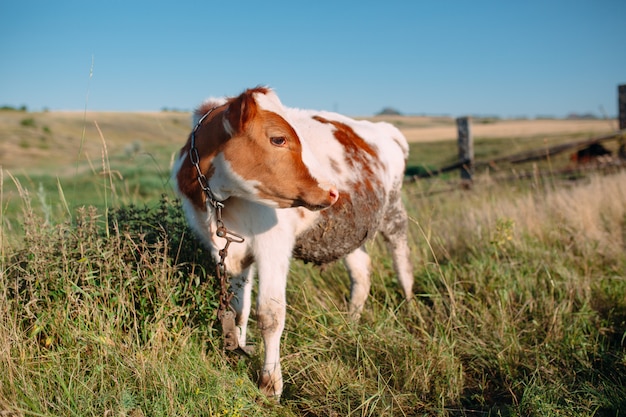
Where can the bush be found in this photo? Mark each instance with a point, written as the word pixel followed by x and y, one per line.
pixel 12 108
pixel 143 273
pixel 28 122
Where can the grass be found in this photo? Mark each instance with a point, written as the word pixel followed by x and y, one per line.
pixel 520 306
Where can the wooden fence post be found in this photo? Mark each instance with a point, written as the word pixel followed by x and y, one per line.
pixel 466 150
pixel 621 105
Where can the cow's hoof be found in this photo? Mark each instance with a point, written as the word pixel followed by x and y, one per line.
pixel 245 350
pixel 271 386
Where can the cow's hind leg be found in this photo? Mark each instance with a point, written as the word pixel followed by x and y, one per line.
pixel 359 267
pixel 395 231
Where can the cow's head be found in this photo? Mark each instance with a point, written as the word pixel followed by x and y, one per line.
pixel 249 149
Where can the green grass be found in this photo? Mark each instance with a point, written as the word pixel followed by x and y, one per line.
pixel 515 314
pixel 107 304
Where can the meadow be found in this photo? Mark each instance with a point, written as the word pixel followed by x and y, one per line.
pixel 107 302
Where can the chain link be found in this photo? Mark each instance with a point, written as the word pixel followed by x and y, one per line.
pixel 226 314
pixel 194 157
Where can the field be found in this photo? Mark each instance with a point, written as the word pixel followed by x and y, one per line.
pixel 429 129
pixel 107 302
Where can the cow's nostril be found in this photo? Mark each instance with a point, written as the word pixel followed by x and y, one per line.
pixel 333 193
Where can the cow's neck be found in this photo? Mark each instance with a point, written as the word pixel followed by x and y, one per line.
pixel 208 139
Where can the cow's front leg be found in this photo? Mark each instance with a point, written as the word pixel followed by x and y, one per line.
pixel 271 307
pixel 241 286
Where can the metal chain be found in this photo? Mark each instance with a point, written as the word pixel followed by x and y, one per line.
pixel 194 157
pixel 225 313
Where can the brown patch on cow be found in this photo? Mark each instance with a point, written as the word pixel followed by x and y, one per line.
pixel 258 89
pixel 205 107
pixel 358 153
pixel 334 165
pixel 247 260
pixel 267 321
pixel 210 136
pixel 354 145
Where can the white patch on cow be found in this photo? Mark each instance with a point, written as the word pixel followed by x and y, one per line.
pixel 175 168
pixel 225 182
pixel 319 169
pixel 270 102
pixel 227 127
pixel 319 148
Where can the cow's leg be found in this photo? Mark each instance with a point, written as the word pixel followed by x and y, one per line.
pixel 241 286
pixel 395 231
pixel 359 267
pixel 271 307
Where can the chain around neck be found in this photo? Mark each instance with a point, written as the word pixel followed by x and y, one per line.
pixel 194 157
pixel 226 313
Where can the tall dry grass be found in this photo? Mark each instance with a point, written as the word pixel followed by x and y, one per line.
pixel 586 215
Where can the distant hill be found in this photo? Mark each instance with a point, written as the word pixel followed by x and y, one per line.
pixel 389 111
pixel 54 140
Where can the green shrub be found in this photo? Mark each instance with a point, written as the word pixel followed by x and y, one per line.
pixel 28 122
pixel 144 270
pixel 164 227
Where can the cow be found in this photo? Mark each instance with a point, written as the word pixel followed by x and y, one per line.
pixel 593 152
pixel 293 183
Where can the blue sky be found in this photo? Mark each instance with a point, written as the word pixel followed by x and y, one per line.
pixel 505 58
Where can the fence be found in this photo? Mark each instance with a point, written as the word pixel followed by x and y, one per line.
pixel 466 163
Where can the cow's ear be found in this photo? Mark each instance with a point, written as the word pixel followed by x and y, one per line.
pixel 240 111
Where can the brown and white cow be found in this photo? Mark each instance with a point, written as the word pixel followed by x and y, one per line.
pixel 312 185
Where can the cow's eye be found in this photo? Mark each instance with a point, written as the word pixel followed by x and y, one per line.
pixel 278 140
